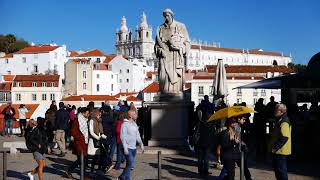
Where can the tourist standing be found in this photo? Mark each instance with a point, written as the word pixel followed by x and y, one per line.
pixel 120 151
pixel 281 142
pixel 50 117
pixel 80 134
pixel 8 113
pixel 229 142
pixel 95 147
pixel 37 142
pixel 22 118
pixel 61 124
pixel 130 136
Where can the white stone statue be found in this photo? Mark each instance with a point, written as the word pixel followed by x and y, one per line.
pixel 171 48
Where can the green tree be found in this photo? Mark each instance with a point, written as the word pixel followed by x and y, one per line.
pixel 10 44
pixel 297 67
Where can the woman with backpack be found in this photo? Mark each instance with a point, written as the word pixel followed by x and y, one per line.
pixel 37 143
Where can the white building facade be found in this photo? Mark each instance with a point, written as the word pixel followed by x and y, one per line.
pixel 131 73
pixel 202 55
pixel 36 89
pixel 42 59
pixel 86 78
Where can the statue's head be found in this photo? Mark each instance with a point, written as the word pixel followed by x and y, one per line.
pixel 168 15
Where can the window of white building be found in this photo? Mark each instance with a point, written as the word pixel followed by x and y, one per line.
pixel 127 90
pixel 18 84
pixel 98 60
pixel 263 92
pixel 239 100
pixel 34 84
pixel 84 86
pixel 35 68
pixel 34 97
pixel 120 71
pixel 5 97
pixel 18 97
pixel 52 97
pixel 24 59
pixel 110 67
pixel 120 80
pixel 7 61
pixel 200 92
pixel 56 55
pixel 128 70
pixel 44 84
pixel 127 80
pixel 84 74
pixel 98 87
pixel 44 97
pixel 35 56
pixel 98 76
pixel 239 92
pixel 111 87
pixel 52 84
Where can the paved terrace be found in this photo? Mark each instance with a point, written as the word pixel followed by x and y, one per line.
pixel 173 167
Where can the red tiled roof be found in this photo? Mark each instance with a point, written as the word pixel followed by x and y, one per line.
pixel 32 108
pixel 8 56
pixel 80 60
pixel 251 69
pixel 37 77
pixel 8 77
pixel 100 66
pixel 90 98
pixel 94 52
pixel 37 49
pixel 6 86
pixel 132 98
pixel 253 51
pixel 73 53
pixel 97 98
pixel 109 58
pixel 152 88
pixel 230 77
pixel 125 94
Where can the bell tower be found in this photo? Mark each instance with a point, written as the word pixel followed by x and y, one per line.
pixel 143 40
pixel 123 38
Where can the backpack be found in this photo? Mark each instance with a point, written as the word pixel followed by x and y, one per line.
pixel 28 136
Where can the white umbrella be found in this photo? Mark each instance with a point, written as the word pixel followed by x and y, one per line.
pixel 220 81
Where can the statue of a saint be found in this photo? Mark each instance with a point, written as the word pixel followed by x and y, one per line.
pixel 171 48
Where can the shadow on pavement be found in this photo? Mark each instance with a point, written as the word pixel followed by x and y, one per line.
pixel 176 171
pixel 15 174
pixel 186 162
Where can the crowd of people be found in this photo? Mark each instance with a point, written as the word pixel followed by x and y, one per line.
pixel 100 133
pixel 92 132
pixel 227 138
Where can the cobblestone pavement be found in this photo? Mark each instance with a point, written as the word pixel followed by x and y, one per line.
pixel 173 167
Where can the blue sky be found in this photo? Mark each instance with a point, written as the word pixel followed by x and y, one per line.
pixel 273 25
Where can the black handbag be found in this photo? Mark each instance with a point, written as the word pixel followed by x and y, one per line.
pixel 96 143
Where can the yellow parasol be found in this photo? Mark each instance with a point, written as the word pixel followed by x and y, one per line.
pixel 229 112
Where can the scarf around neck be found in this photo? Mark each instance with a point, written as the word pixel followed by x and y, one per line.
pixel 83 126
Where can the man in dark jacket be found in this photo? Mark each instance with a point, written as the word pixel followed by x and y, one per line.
pixel 61 124
pixel 8 113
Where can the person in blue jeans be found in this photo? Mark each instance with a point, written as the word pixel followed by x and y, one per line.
pixel 130 136
pixel 8 113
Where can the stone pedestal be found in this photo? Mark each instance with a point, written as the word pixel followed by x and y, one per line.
pixel 169 122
